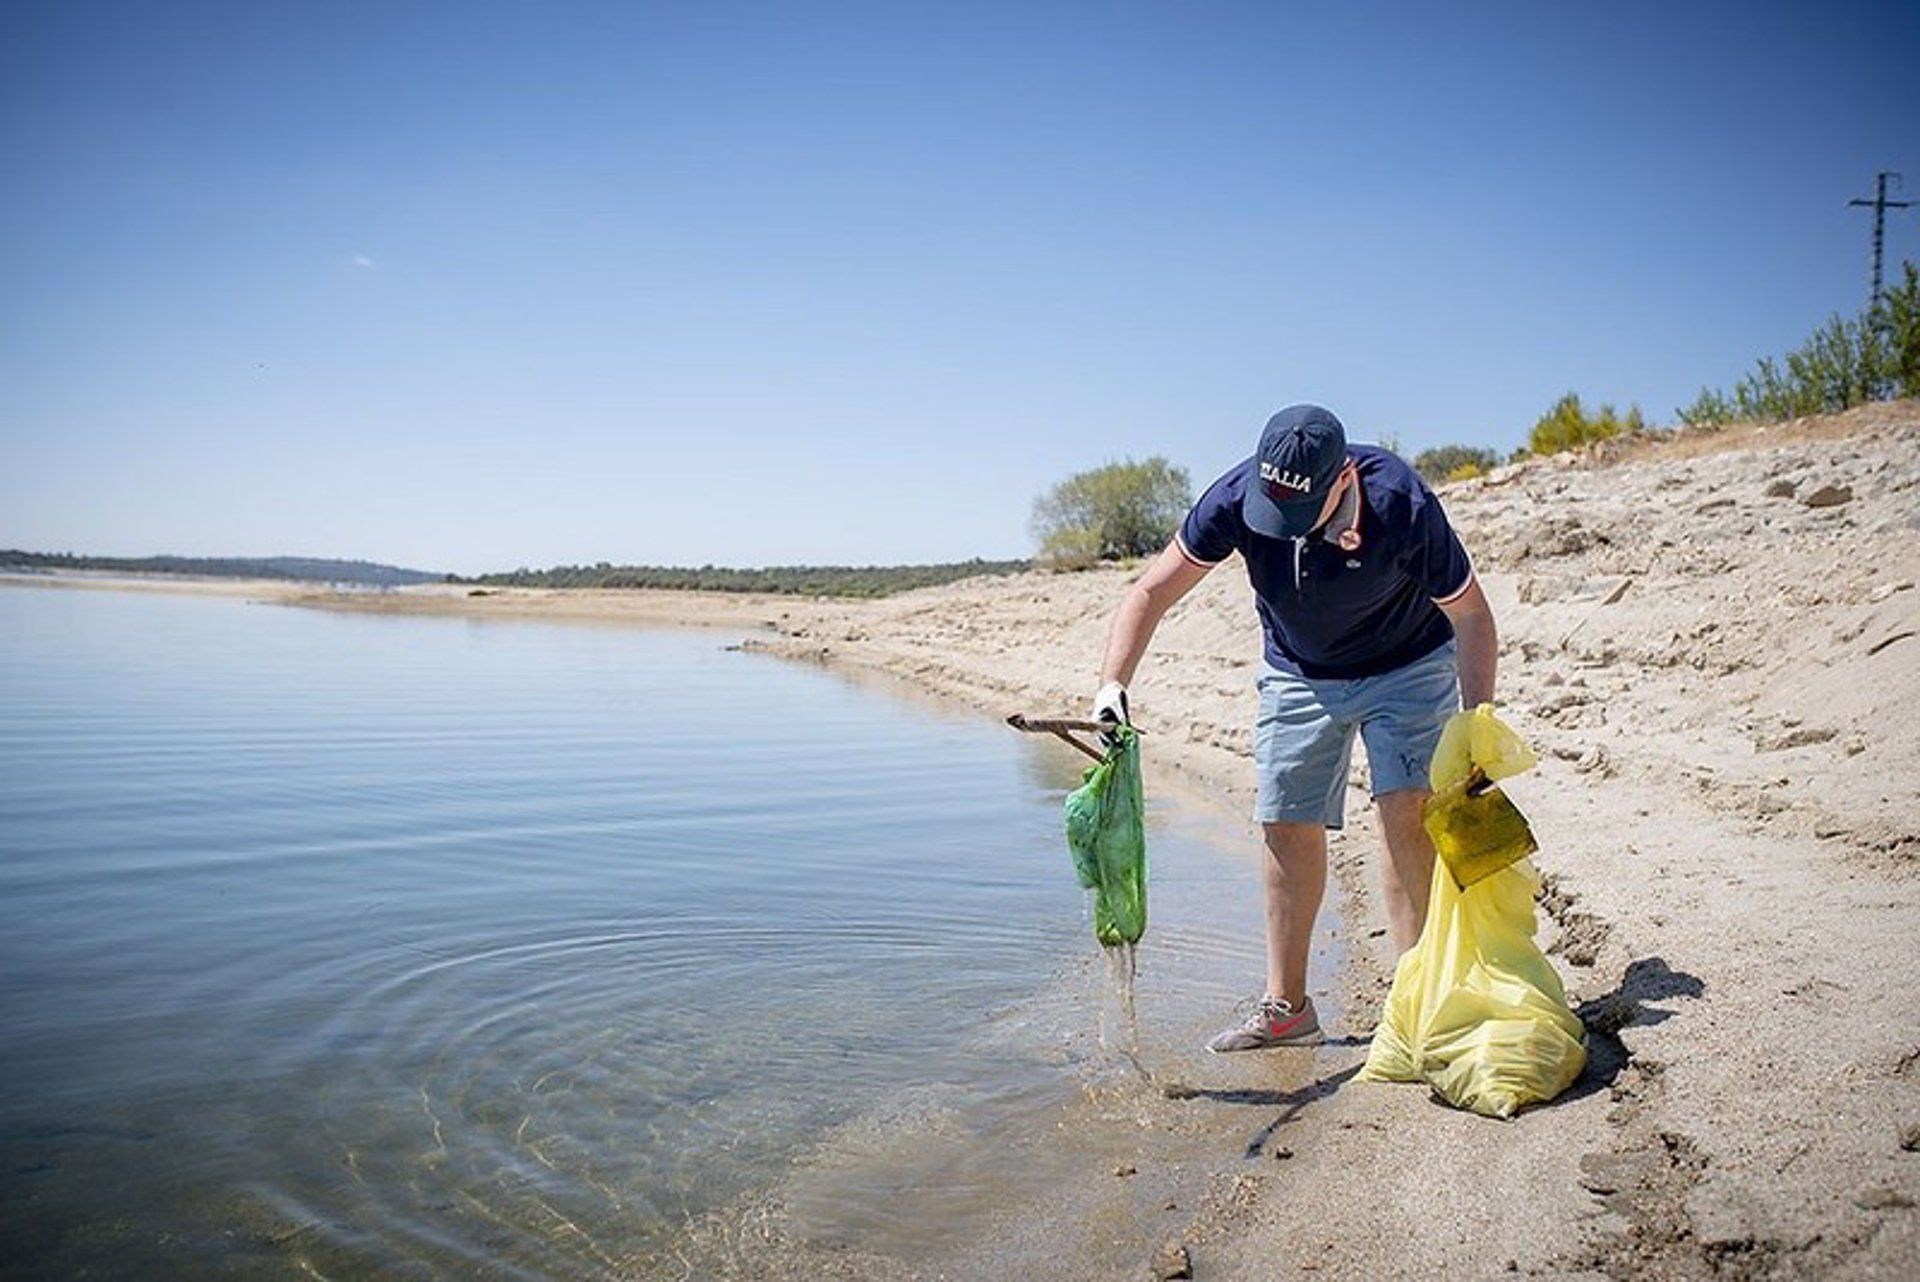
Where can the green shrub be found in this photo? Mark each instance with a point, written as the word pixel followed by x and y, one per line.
pixel 1846 362
pixel 1568 426
pixel 1898 324
pixel 1121 510
pixel 1708 408
pixel 1454 462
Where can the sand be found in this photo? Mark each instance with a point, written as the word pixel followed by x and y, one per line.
pixel 1715 644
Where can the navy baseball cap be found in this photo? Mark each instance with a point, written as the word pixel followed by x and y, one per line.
pixel 1301 453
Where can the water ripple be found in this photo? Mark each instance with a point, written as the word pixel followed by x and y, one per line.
pixel 409 946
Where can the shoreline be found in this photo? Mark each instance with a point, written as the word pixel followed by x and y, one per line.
pixel 1198 778
pixel 180 584
pixel 1206 1167
pixel 1714 654
pixel 1232 1205
pixel 1729 807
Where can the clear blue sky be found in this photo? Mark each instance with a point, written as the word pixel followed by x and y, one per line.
pixel 470 286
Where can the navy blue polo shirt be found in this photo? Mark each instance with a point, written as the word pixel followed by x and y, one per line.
pixel 1331 612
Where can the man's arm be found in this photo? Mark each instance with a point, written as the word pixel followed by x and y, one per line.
pixel 1170 577
pixel 1478 641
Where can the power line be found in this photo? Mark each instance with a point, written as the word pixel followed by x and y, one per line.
pixel 1880 205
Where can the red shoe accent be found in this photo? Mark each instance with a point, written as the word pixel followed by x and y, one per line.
pixel 1277 1029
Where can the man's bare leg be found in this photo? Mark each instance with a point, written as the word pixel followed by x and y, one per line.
pixel 1407 874
pixel 1296 880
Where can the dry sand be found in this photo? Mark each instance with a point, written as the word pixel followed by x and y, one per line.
pixel 1715 644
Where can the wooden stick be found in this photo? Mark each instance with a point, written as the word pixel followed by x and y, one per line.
pixel 1059 727
pixel 1064 737
pixel 1053 725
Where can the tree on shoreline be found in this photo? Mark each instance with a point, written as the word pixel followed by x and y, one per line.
pixel 1121 510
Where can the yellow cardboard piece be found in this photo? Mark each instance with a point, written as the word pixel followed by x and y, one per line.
pixel 1475 830
pixel 1476 1010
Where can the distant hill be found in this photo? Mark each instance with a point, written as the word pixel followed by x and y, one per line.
pixel 792 580
pixel 795 580
pixel 299 568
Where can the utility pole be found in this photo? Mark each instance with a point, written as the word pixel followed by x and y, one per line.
pixel 1880 205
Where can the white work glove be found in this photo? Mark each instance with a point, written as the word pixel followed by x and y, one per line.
pixel 1111 704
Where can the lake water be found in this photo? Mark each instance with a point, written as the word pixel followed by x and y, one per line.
pixel 346 945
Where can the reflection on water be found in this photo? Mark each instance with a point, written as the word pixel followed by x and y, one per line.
pixel 375 945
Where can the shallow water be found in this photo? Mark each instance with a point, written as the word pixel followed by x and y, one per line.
pixel 449 948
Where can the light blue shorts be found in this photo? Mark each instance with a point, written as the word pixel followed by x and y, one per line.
pixel 1304 738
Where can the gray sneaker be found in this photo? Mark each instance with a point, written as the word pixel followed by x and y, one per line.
pixel 1272 1023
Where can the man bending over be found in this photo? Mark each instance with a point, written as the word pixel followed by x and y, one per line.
pixel 1373 622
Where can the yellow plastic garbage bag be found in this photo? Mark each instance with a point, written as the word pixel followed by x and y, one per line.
pixel 1476 1010
pixel 1478 738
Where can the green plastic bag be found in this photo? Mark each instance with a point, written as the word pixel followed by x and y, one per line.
pixel 1106 831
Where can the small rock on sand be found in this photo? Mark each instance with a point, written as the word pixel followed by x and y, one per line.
pixel 1829 496
pixel 1799 737
pixel 1125 1169
pixel 1875 1198
pixel 1781 489
pixel 1172 1261
pixel 1910 1137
